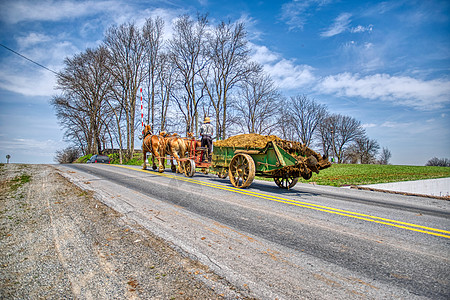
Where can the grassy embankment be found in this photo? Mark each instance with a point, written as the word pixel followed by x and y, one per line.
pixel 346 174
pixel 136 160
pixel 342 174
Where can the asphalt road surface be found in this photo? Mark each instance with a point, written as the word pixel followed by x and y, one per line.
pixel 310 242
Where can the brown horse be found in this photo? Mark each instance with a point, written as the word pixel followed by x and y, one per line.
pixel 176 147
pixel 154 144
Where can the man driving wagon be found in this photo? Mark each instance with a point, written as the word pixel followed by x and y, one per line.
pixel 206 132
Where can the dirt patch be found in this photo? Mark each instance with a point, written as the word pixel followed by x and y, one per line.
pixel 57 241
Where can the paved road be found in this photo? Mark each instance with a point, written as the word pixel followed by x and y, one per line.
pixel 310 242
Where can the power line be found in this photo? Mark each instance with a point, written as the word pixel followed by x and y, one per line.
pixel 28 59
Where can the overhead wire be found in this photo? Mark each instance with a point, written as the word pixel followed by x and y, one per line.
pixel 17 53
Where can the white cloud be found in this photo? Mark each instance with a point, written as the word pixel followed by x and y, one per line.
pixel 23 77
pixel 398 125
pixel 30 150
pixel 262 54
pixel 369 125
pixel 341 24
pixel 360 28
pixel 287 74
pixel 30 145
pixel 29 10
pixel 32 39
pixel 401 90
pixel 39 83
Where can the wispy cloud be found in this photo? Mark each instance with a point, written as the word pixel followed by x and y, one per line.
pixel 400 90
pixel 361 28
pixel 44 147
pixel 23 77
pixel 29 10
pixel 40 83
pixel 296 13
pixel 32 39
pixel 341 24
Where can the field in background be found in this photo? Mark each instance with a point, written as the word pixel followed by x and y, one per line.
pixel 344 174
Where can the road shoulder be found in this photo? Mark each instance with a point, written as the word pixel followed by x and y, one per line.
pixel 58 241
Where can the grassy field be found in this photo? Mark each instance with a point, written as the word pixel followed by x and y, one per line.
pixel 343 174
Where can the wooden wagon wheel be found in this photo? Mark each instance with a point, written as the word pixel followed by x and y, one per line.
pixel 189 168
pixel 286 182
pixel 242 170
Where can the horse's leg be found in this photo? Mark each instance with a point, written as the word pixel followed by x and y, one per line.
pixel 160 162
pixel 177 158
pixel 144 152
pixel 153 161
pixel 154 153
pixel 172 165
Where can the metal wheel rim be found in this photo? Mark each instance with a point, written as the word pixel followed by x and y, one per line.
pixel 189 168
pixel 242 170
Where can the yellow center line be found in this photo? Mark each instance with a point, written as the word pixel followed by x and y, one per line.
pixel 337 211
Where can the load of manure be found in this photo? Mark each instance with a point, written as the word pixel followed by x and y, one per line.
pixel 251 140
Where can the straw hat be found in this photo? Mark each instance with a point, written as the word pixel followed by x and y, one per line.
pixel 207 120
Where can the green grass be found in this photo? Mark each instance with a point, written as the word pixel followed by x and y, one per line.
pixel 83 159
pixel 19 181
pixel 114 159
pixel 135 161
pixel 346 174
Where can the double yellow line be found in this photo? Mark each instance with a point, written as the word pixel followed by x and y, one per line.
pixel 331 210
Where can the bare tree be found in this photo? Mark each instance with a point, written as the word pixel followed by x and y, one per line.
pixel 166 78
pixel 285 120
pixel 438 162
pixel 126 63
pixel 257 108
pixel 229 64
pixel 363 150
pixel 385 156
pixel 337 132
pixel 187 49
pixel 153 39
pixel 72 116
pixel 307 115
pixel 85 85
pixel 67 155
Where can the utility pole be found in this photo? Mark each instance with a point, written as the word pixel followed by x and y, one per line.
pixel 332 146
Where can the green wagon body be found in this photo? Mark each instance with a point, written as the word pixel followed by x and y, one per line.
pixel 281 162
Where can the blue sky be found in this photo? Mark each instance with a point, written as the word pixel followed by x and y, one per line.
pixel 385 63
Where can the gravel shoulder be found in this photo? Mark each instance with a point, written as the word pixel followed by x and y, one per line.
pixel 58 242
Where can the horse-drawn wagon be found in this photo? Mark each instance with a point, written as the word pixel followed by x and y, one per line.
pixel 245 156
pixel 240 157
